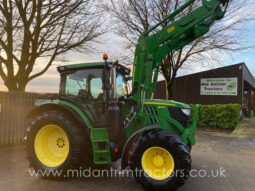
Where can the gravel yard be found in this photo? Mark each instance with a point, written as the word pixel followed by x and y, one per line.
pixel 214 153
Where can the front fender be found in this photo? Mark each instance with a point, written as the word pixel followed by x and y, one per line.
pixel 128 144
pixel 189 133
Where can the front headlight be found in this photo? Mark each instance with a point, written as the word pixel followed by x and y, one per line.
pixel 186 111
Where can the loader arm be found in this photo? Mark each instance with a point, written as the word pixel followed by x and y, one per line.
pixel 152 48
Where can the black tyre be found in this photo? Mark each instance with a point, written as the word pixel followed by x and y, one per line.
pixel 56 143
pixel 161 161
pixel 190 147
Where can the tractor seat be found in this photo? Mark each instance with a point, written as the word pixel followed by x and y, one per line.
pixel 84 94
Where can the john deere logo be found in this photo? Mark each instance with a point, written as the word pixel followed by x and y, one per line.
pixel 232 86
pixel 171 29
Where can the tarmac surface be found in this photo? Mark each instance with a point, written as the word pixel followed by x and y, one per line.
pixel 221 162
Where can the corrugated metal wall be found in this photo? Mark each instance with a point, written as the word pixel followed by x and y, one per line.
pixel 14 108
pixel 186 89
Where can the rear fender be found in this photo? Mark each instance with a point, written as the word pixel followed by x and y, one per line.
pixel 71 110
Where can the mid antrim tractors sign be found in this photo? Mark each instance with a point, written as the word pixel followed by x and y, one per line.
pixel 219 86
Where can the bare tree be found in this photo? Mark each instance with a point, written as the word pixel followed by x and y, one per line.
pixel 32 29
pixel 134 17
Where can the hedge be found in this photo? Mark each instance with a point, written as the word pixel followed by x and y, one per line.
pixel 223 116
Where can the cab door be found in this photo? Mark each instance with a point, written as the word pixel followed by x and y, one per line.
pixel 84 88
pixel 95 104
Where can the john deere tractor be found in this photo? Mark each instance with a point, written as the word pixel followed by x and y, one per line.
pixel 98 120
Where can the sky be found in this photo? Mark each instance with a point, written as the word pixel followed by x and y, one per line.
pixel 248 56
pixel 111 44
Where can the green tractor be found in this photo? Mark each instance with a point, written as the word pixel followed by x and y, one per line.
pixel 98 120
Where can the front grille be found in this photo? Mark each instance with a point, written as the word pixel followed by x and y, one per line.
pixel 178 115
pixel 152 111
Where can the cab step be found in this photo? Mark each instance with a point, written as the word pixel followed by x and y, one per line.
pixel 101 145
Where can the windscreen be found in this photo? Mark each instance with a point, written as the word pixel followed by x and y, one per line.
pixel 86 83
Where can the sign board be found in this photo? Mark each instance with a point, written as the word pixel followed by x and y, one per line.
pixel 219 86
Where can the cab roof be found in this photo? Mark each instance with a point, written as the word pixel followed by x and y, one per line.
pixel 85 65
pixel 89 65
pixel 81 66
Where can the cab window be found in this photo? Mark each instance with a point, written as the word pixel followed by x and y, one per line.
pixel 85 84
pixel 96 87
pixel 121 86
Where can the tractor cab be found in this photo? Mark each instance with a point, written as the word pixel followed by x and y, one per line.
pixel 96 88
pixel 94 81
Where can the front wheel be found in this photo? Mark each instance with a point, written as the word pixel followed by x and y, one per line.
pixel 161 161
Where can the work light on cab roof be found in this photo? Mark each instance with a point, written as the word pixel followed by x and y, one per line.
pixel 105 56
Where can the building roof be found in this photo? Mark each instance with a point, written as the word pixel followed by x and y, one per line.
pixel 247 75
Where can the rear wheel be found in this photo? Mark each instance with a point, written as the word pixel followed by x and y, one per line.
pixel 55 142
pixel 161 161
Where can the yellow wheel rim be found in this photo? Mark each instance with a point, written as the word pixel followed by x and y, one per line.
pixel 157 163
pixel 51 145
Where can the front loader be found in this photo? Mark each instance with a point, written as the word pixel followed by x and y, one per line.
pixel 98 120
